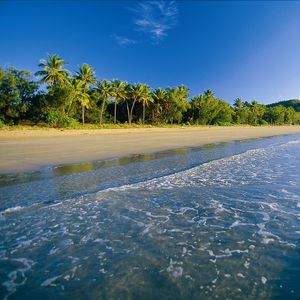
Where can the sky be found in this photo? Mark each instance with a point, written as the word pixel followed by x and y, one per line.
pixel 245 49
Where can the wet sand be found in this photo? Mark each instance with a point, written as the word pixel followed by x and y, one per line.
pixel 26 150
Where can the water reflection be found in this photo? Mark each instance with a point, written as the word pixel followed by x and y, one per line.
pixel 63 170
pixel 21 177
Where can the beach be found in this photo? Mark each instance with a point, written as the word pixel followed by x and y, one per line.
pixel 27 150
pixel 197 223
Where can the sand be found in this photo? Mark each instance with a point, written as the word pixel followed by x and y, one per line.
pixel 28 150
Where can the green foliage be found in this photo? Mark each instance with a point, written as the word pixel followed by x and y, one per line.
pixel 248 113
pixel 138 93
pixel 65 99
pixel 159 97
pixel 173 104
pixel 293 103
pixel 39 106
pixel 60 119
pixel 276 115
pixel 81 84
pixel 263 122
pixel 106 91
pixel 220 123
pixel 59 97
pixel 16 91
pixel 208 110
pixel 52 71
pixel 119 93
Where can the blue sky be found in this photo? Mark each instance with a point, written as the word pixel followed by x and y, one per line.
pixel 240 49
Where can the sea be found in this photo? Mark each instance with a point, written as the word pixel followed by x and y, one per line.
pixel 220 221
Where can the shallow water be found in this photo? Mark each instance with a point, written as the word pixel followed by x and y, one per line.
pixel 221 221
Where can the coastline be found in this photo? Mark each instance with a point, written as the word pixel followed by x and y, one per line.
pixel 29 150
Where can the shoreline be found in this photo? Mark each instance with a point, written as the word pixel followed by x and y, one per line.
pixel 30 150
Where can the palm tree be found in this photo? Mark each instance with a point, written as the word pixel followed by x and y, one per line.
pixel 209 93
pixel 238 103
pixel 86 76
pixel 107 92
pixel 177 98
pixel 53 72
pixel 182 94
pixel 138 93
pixel 119 93
pixel 146 99
pixel 77 94
pixel 159 97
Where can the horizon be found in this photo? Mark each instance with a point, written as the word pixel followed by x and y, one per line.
pixel 158 43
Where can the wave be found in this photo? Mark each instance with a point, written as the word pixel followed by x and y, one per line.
pixel 12 210
pixel 220 172
pixel 21 209
pixel 171 180
pixel 297 142
pixel 214 172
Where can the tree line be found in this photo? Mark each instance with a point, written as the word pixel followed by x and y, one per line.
pixel 62 99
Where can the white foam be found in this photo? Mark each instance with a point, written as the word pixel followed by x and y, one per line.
pixel 264 280
pixel 50 281
pixel 266 216
pixel 14 280
pixel 12 210
pixel 293 142
pixel 53 250
pixel 203 174
pixel 175 268
pixel 246 264
pixel 166 218
pixel 267 236
pixel 101 241
pixel 237 223
pixel 146 230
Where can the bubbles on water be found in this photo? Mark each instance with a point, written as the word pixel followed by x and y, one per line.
pixel 216 229
pixel 17 277
pixel 264 280
pixel 175 268
pixel 11 210
pixel 50 281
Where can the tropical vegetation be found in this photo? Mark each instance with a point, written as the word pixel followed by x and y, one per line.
pixel 294 103
pixel 56 97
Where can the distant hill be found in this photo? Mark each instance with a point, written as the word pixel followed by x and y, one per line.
pixel 295 103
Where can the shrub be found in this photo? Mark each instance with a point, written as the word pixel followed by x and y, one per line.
pixel 1 123
pixel 263 122
pixel 60 119
pixel 224 123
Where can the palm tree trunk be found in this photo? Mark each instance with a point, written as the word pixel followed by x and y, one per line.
pixel 69 107
pixel 115 113
pixel 131 111
pixel 128 113
pixel 101 112
pixel 152 116
pixel 143 112
pixel 82 114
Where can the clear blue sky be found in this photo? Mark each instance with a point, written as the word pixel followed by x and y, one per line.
pixel 240 49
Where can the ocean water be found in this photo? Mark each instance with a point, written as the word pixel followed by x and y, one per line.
pixel 215 222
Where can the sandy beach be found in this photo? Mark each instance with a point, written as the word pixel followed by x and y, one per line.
pixel 26 150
